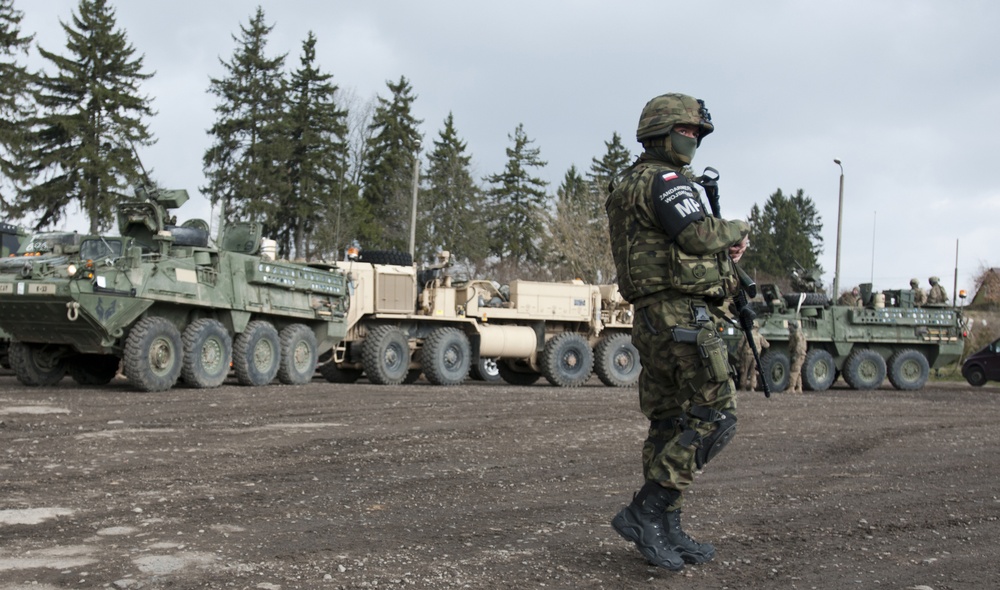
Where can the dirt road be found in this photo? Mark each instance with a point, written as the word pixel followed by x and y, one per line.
pixel 484 486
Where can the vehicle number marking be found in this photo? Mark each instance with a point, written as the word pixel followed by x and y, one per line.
pixel 41 289
pixel 6 288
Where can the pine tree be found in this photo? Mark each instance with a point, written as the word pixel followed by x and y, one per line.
pixel 450 209
pixel 318 163
pixel 784 234
pixel 245 164
pixel 15 99
pixel 92 119
pixel 387 179
pixel 518 201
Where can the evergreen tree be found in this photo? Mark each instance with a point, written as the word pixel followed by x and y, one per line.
pixel 92 117
pixel 318 163
pixel 450 209
pixel 245 163
pixel 387 178
pixel 518 201
pixel 15 98
pixel 784 234
pixel 615 160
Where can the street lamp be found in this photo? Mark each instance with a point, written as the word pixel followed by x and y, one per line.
pixel 840 221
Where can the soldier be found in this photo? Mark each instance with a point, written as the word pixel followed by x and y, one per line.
pixel 851 298
pixel 673 264
pixel 748 367
pixel 919 297
pixel 797 353
pixel 937 295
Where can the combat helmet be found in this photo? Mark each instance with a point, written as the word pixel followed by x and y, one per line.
pixel 914 283
pixel 663 112
pixel 935 280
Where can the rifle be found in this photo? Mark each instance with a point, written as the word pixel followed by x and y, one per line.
pixel 709 180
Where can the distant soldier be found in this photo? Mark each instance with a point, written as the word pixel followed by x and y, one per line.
pixel 748 368
pixel 851 298
pixel 937 295
pixel 797 352
pixel 919 297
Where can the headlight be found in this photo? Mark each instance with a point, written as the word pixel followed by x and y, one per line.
pixel 71 270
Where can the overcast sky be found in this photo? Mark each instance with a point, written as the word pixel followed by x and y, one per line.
pixel 904 93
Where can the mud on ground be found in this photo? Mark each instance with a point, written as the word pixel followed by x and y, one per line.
pixel 484 486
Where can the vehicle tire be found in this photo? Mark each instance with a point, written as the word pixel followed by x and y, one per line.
pixel 567 360
pixel 334 374
pixel 515 375
pixel 446 356
pixel 385 355
pixel 93 369
pixel 616 361
pixel 776 368
pixel 208 353
pixel 908 370
pixel 813 299
pixel 485 370
pixel 393 257
pixel 154 353
pixel 34 365
pixel 975 375
pixel 818 370
pixel 257 354
pixel 298 355
pixel 864 369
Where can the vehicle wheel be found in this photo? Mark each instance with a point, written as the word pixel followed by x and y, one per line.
pixel 334 374
pixel 776 369
pixel 154 353
pixel 93 369
pixel 908 370
pixel 385 355
pixel 567 360
pixel 393 257
pixel 516 374
pixel 616 361
pixel 485 370
pixel 256 354
pixel 298 355
pixel 36 365
pixel 975 375
pixel 818 370
pixel 864 369
pixel 208 352
pixel 446 356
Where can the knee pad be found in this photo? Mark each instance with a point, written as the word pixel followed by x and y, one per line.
pixel 712 445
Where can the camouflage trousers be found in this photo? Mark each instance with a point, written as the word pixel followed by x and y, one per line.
pixel 678 378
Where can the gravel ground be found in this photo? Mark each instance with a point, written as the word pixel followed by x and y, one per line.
pixel 484 486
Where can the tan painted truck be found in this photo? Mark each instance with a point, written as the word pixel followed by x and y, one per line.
pixel 403 322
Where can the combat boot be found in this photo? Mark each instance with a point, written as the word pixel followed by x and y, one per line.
pixel 641 522
pixel 690 550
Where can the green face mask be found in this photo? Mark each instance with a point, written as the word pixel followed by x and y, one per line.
pixel 683 147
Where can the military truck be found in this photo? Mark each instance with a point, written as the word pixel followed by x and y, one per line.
pixel 165 305
pixel 888 336
pixel 403 322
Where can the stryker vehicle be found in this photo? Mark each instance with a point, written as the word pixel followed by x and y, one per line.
pixel 403 322
pixel 889 336
pixel 161 302
pixel 11 237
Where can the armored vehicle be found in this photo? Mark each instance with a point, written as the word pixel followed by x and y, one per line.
pixel 403 322
pixel 887 336
pixel 11 237
pixel 163 304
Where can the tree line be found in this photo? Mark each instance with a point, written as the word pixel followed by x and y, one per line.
pixel 316 166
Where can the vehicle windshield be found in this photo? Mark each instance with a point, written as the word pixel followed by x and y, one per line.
pixel 95 249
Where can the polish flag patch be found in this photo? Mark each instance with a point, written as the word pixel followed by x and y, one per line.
pixel 669 176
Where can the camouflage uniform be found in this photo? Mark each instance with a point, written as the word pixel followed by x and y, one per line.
pixel 748 368
pixel 673 264
pixel 850 298
pixel 919 297
pixel 797 354
pixel 937 296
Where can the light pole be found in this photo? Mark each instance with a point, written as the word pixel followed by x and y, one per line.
pixel 840 221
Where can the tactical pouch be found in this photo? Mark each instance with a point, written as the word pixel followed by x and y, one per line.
pixel 695 275
pixel 714 352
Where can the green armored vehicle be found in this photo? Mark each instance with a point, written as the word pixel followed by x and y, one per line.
pixel 11 237
pixel 887 336
pixel 163 304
